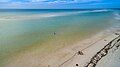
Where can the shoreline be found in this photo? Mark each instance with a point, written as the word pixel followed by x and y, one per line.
pixel 115 43
pixel 88 46
pixel 82 60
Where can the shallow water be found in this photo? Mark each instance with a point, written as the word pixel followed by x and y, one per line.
pixel 31 29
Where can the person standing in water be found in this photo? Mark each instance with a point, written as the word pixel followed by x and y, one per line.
pixel 54 33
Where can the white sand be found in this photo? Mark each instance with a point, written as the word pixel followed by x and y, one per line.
pixel 65 57
pixel 112 59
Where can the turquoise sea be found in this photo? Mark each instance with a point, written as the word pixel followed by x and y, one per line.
pixel 22 30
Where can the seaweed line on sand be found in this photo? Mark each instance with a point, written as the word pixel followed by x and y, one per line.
pixel 103 52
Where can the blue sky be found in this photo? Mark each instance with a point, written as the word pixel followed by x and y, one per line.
pixel 58 4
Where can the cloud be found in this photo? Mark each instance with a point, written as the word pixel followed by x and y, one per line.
pixel 4 0
pixel 22 1
pixel 87 0
pixel 78 1
pixel 58 4
pixel 38 0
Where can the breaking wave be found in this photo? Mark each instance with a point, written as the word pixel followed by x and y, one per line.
pixel 117 16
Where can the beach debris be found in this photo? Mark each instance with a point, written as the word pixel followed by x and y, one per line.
pixel 48 65
pixel 105 40
pixel 77 65
pixel 117 34
pixel 80 53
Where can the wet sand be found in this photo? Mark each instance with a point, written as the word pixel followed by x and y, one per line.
pixel 65 56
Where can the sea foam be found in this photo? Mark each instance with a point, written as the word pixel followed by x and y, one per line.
pixel 47 15
pixel 117 16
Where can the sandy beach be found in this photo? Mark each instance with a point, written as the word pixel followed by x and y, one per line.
pixel 67 56
pixel 55 38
